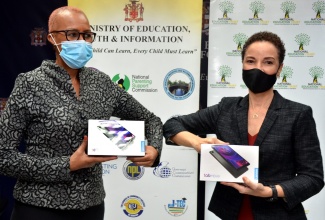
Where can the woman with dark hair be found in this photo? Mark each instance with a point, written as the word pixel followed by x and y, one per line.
pixel 290 160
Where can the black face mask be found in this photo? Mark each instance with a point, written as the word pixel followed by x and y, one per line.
pixel 257 81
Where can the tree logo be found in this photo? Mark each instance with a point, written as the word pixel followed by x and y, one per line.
pixel 239 40
pixel 319 9
pixel 302 41
pixel 316 73
pixel 224 72
pixel 226 7
pixel 257 8
pixel 286 74
pixel 288 8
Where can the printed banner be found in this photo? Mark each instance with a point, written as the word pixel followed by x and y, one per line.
pixel 301 26
pixel 151 49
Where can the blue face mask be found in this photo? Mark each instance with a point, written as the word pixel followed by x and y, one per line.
pixel 75 53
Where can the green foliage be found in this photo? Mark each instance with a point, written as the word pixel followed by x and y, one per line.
pixel 177 82
pixel 288 7
pixel 224 71
pixel 286 72
pixel 226 7
pixel 257 7
pixel 302 39
pixel 316 71
pixel 240 39
pixel 319 8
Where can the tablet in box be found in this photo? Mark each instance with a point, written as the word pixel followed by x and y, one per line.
pixel 229 159
pixel 229 163
pixel 116 137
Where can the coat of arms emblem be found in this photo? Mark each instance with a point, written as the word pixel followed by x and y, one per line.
pixel 134 11
pixel 38 37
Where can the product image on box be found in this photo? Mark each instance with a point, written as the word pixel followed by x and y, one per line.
pixel 119 135
pixel 230 159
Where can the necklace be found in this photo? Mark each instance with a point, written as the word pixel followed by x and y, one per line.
pixel 256 113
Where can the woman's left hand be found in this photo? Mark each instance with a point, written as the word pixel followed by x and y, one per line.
pixel 250 188
pixel 147 160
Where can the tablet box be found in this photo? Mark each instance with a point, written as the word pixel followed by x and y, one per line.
pixel 229 163
pixel 116 137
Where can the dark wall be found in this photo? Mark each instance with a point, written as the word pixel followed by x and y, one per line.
pixel 20 53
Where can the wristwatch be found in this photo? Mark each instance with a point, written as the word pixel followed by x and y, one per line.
pixel 274 194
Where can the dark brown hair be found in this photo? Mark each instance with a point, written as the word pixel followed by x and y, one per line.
pixel 269 37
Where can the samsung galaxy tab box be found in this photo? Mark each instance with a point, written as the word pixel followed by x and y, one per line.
pixel 229 163
pixel 116 137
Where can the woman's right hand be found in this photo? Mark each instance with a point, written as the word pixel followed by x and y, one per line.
pixel 189 139
pixel 79 159
pixel 208 140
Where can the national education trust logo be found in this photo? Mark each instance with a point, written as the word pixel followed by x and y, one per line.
pixel 302 41
pixel 132 171
pixel 257 8
pixel 224 72
pixel 239 40
pixel 319 8
pixel 316 73
pixel 288 8
pixel 133 206
pixel 286 73
pixel 226 8
pixel 177 207
pixel 179 84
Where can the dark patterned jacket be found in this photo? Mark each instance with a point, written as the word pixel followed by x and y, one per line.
pixel 44 111
pixel 289 153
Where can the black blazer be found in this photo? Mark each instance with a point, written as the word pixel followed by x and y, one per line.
pixel 289 153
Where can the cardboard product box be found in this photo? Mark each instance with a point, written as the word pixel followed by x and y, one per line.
pixel 116 137
pixel 229 163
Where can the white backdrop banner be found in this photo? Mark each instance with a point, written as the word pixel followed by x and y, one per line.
pixel 300 25
pixel 152 50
